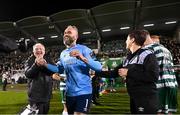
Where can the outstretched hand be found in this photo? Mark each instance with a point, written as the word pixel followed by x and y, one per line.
pixel 56 76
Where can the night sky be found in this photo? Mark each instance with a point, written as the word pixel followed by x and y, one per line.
pixel 14 10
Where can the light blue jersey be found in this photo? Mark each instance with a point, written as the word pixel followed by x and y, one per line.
pixel 77 72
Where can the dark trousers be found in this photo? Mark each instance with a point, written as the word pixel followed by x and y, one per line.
pixel 43 107
pixel 4 85
pixel 144 104
pixel 95 93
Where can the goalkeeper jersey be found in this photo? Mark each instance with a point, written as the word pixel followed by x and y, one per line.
pixel 78 80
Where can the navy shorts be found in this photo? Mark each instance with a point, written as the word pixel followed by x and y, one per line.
pixel 78 103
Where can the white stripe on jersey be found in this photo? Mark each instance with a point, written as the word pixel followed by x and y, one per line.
pixel 167 84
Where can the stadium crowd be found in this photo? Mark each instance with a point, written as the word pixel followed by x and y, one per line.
pixel 15 60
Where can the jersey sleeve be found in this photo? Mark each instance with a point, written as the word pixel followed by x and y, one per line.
pixel 92 63
pixel 58 68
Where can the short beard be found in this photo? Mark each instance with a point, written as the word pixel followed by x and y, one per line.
pixel 69 41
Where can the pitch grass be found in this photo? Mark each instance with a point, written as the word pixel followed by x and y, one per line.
pixel 15 98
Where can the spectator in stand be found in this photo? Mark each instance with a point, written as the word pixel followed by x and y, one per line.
pixel 173 46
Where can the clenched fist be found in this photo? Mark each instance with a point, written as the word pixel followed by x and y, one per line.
pixel 77 54
pixel 40 61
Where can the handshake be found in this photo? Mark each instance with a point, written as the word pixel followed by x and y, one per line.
pixel 40 61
